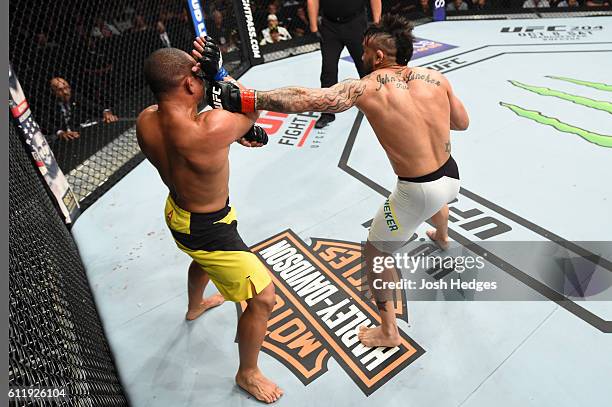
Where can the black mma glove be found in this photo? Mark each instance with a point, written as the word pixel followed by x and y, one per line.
pixel 211 63
pixel 257 134
pixel 228 96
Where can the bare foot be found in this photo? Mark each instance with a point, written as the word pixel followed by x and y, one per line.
pixel 376 337
pixel 206 304
pixel 259 386
pixel 442 243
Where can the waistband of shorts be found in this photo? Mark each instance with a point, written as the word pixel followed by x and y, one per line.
pixel 202 217
pixel 448 169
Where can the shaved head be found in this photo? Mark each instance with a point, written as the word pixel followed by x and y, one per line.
pixel 166 68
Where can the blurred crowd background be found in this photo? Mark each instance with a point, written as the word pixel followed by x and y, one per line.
pixel 80 62
pixel 90 51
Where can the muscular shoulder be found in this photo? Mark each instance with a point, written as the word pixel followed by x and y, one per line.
pixel 144 119
pixel 145 116
pixel 212 121
pixel 217 127
pixel 147 111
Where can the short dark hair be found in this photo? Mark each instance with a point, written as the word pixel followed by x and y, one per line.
pixel 394 34
pixel 165 68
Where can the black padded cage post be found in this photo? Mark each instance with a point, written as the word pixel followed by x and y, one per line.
pixel 252 15
pixel 248 32
pixel 56 338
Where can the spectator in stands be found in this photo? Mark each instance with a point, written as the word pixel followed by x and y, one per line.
pixel 568 3
pixel 276 8
pixel 184 16
pixel 43 43
pixel 140 24
pixel 536 4
pixel 425 8
pixel 288 11
pixel 273 23
pixel 218 5
pixel 481 5
pixel 219 31
pixel 300 24
pixel 275 35
pixel 124 20
pixel 233 42
pixel 79 27
pixel 103 29
pixel 179 27
pixel 457 5
pixel 69 111
pixel 46 50
pixel 163 35
pixel 272 8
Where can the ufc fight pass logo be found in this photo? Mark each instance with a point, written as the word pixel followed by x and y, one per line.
pixel 319 309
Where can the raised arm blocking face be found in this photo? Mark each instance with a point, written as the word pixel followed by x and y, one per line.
pixel 338 98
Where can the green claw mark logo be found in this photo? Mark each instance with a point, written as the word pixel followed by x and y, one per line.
pixel 602 140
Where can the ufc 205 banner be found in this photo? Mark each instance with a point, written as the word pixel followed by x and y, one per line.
pixel 39 149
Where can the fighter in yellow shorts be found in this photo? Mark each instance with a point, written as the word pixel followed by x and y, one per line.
pixel 213 242
pixel 190 151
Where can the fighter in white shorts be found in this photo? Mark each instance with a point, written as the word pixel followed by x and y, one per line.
pixel 412 111
pixel 414 200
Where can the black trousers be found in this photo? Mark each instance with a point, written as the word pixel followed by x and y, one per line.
pixel 336 36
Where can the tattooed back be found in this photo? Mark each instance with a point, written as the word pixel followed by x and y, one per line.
pixel 410 111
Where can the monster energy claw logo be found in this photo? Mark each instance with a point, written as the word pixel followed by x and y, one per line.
pixel 603 140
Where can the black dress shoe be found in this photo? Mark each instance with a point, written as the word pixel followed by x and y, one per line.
pixel 324 120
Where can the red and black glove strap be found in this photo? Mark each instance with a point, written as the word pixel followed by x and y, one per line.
pixel 247 99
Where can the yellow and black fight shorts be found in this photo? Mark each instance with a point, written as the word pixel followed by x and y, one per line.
pixel 212 241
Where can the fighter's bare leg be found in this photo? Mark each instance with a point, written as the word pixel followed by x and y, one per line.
pixel 387 334
pixel 196 283
pixel 251 331
pixel 440 233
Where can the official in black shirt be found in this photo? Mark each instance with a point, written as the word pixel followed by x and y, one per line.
pixel 342 25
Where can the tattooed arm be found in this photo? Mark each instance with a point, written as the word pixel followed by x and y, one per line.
pixel 338 98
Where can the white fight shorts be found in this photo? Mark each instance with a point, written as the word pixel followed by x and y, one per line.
pixel 413 201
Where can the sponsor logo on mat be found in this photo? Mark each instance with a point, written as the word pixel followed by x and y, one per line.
pixel 422 48
pixel 553 32
pixel 293 130
pixel 319 309
pixel 602 140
